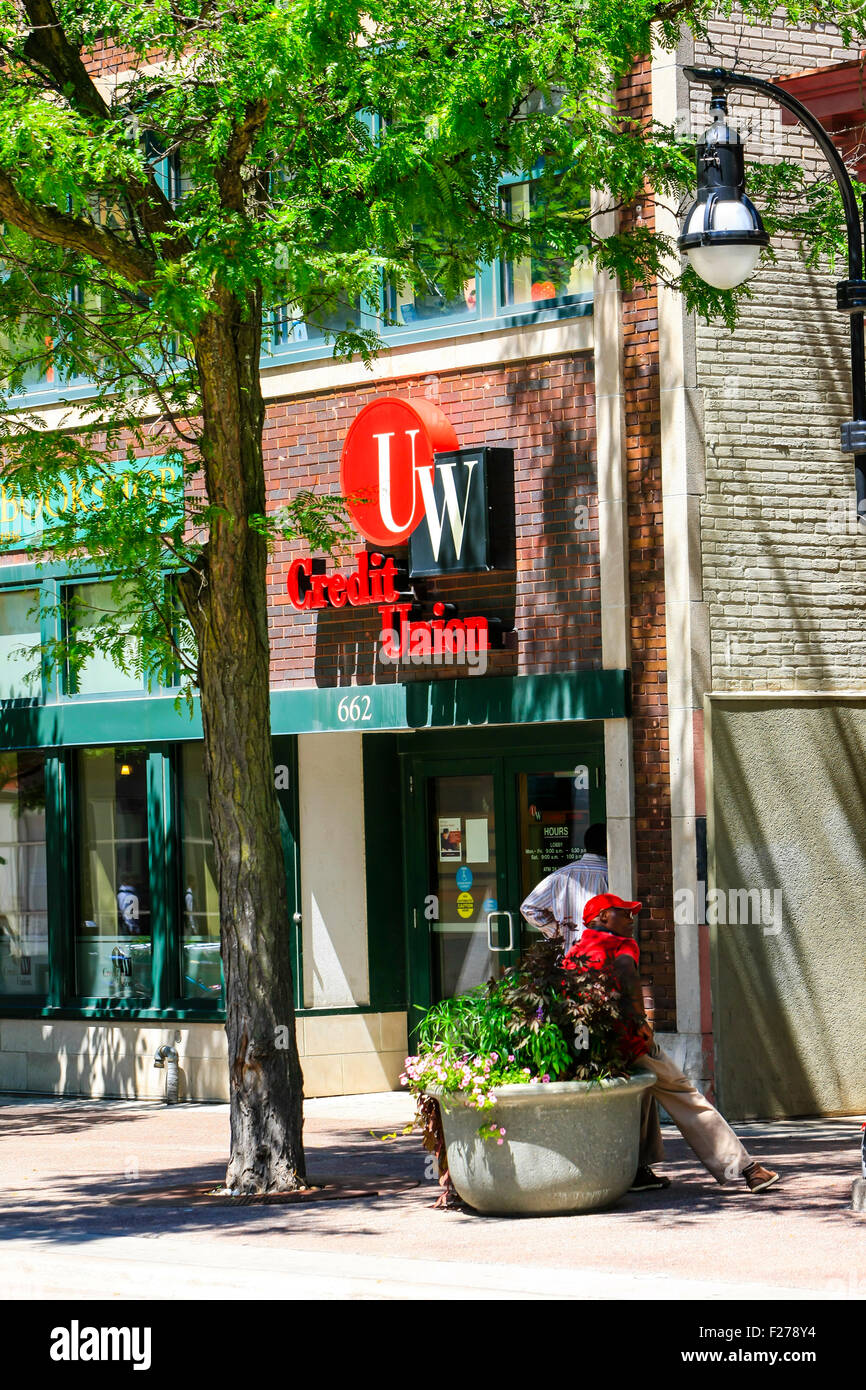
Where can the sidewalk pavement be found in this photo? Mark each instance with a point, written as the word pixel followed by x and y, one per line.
pixel 95 1202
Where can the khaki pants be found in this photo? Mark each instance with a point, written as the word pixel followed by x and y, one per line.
pixel 699 1122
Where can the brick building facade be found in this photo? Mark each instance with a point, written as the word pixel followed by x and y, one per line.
pixel 660 567
pixel 549 601
pixel 567 723
pixel 647 634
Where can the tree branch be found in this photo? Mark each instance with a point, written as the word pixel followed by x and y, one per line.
pixel 48 46
pixel 63 229
pixel 663 13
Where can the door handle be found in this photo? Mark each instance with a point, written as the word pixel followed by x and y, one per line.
pixel 490 916
pixel 296 918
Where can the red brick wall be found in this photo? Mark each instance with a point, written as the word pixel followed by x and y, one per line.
pixel 109 57
pixel 545 412
pixel 647 606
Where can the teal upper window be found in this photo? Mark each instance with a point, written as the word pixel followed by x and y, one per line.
pixel 543 279
pixel 41 621
pixel 87 606
pixel 288 329
pixel 166 168
pixel 19 645
pixel 432 304
pixel 538 287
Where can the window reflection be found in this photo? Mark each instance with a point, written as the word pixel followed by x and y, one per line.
pixel 434 302
pixel 544 275
pixel 113 940
pixel 31 347
pixel 290 327
pixel 19 645
pixel 88 605
pixel 23 914
pixel 554 816
pixel 201 967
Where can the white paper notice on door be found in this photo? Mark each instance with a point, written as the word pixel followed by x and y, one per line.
pixel 477 848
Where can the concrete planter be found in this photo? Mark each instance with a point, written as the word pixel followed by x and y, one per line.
pixel 569 1145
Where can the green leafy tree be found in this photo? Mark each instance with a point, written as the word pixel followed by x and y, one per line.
pixel 175 172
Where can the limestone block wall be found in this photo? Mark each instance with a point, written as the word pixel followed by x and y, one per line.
pixel 340 1055
pixel 787 803
pixel 782 559
pixel 333 871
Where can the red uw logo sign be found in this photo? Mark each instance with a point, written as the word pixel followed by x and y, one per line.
pixel 387 466
pixel 406 479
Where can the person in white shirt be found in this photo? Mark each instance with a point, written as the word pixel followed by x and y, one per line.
pixel 555 906
pixel 128 907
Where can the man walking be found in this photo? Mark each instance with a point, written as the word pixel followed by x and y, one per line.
pixel 608 941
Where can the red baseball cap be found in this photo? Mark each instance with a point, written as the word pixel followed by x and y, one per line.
pixel 605 900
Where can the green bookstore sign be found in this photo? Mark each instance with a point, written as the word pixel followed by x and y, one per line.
pixel 24 519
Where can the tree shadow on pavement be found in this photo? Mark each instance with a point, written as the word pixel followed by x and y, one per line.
pixel 817 1160
pixel 69 1115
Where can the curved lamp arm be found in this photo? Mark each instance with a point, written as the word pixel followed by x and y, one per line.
pixel 850 293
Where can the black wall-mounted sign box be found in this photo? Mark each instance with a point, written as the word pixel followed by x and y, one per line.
pixel 472 522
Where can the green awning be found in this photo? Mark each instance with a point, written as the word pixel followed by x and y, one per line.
pixel 468 702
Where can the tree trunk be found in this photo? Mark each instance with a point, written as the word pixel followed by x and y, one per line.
pixel 226 599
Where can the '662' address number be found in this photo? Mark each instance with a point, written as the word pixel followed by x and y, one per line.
pixel 357 710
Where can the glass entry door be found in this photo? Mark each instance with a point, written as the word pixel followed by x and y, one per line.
pixel 481 832
pixel 472 937
pixel 553 813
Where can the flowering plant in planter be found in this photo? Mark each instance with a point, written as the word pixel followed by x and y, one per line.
pixel 547 1019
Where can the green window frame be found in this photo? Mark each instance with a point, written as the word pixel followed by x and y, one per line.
pixel 163 890
pixel 71 683
pixel 196 883
pixel 508 305
pixel 36 693
pixel 169 175
pixel 491 313
pixel 58 726
pixel 53 584
pixel 169 998
pixel 24 863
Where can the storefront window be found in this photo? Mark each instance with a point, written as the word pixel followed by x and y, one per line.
pixel 19 644
pixel 113 940
pixel 89 605
pixel 23 915
pixel 544 276
pixel 200 938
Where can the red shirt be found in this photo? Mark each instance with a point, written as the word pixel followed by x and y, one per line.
pixel 600 948
pixel 593 951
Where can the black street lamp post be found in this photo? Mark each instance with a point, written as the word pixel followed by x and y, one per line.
pixel 723 232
